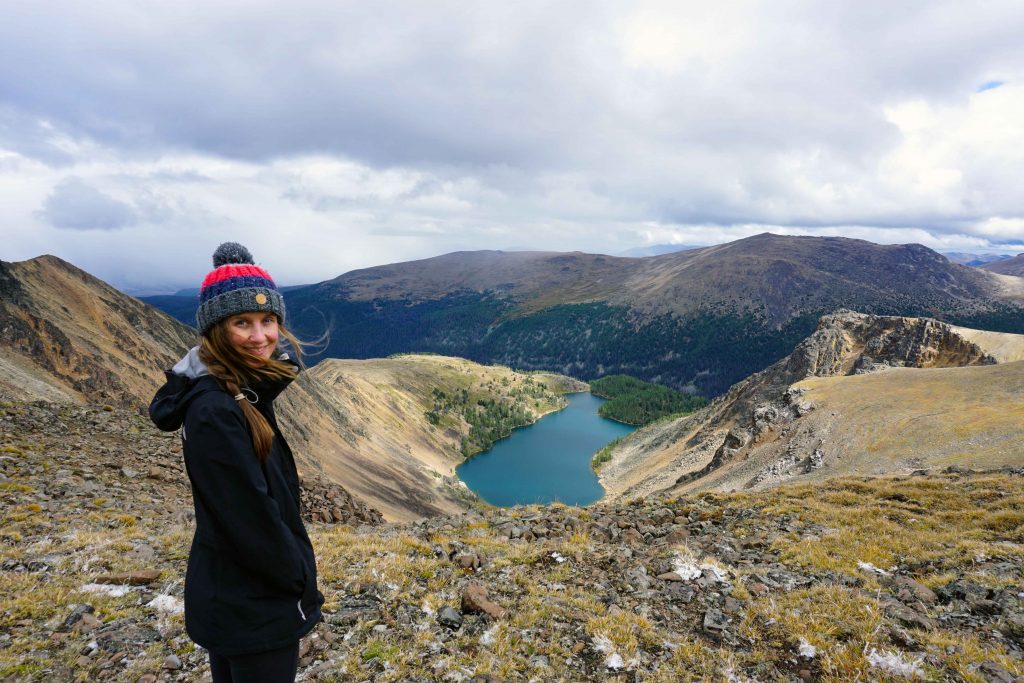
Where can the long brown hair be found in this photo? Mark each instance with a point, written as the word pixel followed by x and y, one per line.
pixel 234 370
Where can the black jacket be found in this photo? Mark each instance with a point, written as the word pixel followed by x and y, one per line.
pixel 251 579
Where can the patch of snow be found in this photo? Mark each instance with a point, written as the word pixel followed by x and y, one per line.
pixel 428 610
pixel 603 643
pixel 896 663
pixel 558 557
pixel 487 639
pixel 688 569
pixel 868 567
pixel 806 650
pixel 107 589
pixel 167 603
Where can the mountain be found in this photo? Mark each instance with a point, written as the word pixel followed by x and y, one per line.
pixel 968 259
pixel 862 395
pixel 698 320
pixel 1008 266
pixel 71 337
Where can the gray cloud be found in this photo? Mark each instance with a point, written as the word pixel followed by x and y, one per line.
pixel 75 205
pixel 576 125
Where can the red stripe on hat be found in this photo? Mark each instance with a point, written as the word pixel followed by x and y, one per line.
pixel 230 270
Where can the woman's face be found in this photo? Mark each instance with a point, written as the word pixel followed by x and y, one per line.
pixel 253 333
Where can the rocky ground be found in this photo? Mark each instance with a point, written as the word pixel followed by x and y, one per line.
pixel 893 578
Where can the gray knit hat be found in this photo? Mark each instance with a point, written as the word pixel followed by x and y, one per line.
pixel 236 285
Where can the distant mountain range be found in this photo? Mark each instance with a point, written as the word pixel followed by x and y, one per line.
pixel 969 259
pixel 697 320
pixel 1009 266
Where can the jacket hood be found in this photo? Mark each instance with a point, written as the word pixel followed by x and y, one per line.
pixel 185 381
pixel 167 409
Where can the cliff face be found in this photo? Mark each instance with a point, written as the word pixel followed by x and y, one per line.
pixel 775 425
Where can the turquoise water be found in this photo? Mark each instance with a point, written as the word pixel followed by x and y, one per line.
pixel 548 461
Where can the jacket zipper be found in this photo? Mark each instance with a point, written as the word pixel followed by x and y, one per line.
pixel 301 613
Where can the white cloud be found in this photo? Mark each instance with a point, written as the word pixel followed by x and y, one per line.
pixel 334 135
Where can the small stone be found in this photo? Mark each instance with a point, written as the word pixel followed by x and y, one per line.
pixel 146 678
pixel 670 576
pixel 715 620
pixel 467 561
pixel 907 589
pixel 76 615
pixel 171 662
pixel 140 578
pixel 129 472
pixel 732 606
pixel 993 673
pixel 983 606
pixel 805 675
pixel 450 618
pixel 475 600
pixel 757 589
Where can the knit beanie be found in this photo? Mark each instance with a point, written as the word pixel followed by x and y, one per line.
pixel 236 285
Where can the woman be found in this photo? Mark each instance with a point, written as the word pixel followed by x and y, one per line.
pixel 250 587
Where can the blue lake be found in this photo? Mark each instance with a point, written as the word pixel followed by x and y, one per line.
pixel 548 461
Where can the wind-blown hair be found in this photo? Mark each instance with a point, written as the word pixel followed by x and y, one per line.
pixel 235 370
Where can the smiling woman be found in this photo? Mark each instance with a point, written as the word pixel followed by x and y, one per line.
pixel 250 588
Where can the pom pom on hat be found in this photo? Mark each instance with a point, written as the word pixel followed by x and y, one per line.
pixel 231 252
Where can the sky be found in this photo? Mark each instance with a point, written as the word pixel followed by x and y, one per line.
pixel 333 135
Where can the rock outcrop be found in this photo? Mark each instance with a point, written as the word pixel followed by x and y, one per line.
pixel 762 430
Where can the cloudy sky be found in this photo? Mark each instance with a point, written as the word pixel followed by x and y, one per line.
pixel 332 135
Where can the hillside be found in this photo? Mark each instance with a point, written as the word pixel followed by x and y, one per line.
pixel 1010 266
pixel 862 395
pixel 68 336
pixel 371 431
pixel 698 320
pixel 879 579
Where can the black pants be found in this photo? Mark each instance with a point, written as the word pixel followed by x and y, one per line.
pixel 274 666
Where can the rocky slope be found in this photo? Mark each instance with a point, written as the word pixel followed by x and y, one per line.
pixel 370 430
pixel 881 579
pixel 68 336
pixel 863 394
pixel 1010 266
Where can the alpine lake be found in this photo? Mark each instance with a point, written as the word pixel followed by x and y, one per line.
pixel 548 461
